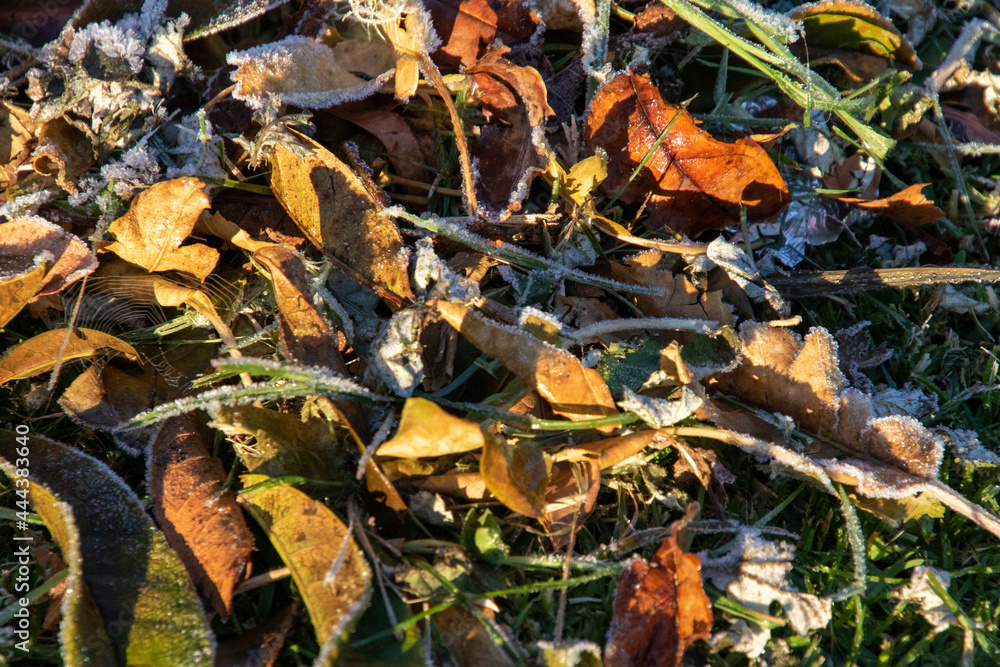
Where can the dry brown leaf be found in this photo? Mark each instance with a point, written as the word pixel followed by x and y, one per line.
pixel 202 523
pixel 427 430
pixel 508 149
pixel 909 207
pixel 468 27
pixel 22 240
pixel 306 337
pixel 694 182
pixel 406 152
pixel 105 396
pixel 660 606
pixel 516 474
pixel 63 152
pixel 802 379
pixel 41 353
pixel 468 642
pixel 160 219
pixel 338 214
pixel 572 389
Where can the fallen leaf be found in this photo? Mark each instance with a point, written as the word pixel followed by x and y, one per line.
pixel 755 573
pixel 844 24
pixel 145 598
pixel 694 182
pixel 64 152
pixel 201 521
pixel 160 219
pixel 22 278
pixel 41 353
pixel 24 240
pixel 570 496
pixel 467 640
pixel 427 430
pixel 468 27
pixel 328 568
pixel 406 152
pixel 908 207
pixel 660 607
pixel 919 592
pixel 82 634
pixel 17 133
pixel 337 213
pixel 516 474
pixel 217 225
pixel 510 150
pixel 572 389
pixel 306 336
pixel 309 74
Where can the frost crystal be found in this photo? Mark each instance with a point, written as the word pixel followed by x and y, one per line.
pixel 136 169
pixel 110 40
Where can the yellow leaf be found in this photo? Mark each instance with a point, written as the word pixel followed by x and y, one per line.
pixel 16 290
pixel 39 354
pixel 516 475
pixel 427 430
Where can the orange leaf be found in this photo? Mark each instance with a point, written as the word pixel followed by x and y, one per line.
pixel 695 182
pixel 468 26
pixel 660 607
pixel 909 207
pixel 203 525
pixel 572 389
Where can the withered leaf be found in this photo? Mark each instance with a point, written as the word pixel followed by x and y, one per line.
pixel 406 152
pixel 572 389
pixel 16 134
pixel 41 353
pixel 507 149
pixel 660 606
pixel 64 152
pixel 22 240
pixel 570 496
pixel 802 379
pixel 202 523
pixel 908 207
pixel 306 336
pixel 468 27
pixel 337 213
pixel 694 182
pixel 517 475
pixel 160 219
pixel 218 225
pixel 427 430
pixel 22 278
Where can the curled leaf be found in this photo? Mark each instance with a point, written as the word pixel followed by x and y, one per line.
pixel 908 207
pixel 27 240
pixel 571 388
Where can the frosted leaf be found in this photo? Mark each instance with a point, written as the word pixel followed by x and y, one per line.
pixel 658 412
pixel 920 592
pixel 746 638
pixel 953 300
pixel 966 446
pixel 906 401
pixel 577 250
pixel 135 170
pixel 741 269
pixel 756 572
pixel 447 282
pixel 299 71
pixel 395 355
pixel 196 150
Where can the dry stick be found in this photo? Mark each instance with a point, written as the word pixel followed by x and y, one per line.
pixel 263 580
pixel 468 181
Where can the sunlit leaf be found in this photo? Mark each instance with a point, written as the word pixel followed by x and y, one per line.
pixel 908 207
pixel 159 220
pixel 468 27
pixel 427 430
pixel 33 239
pixel 337 213
pixel 41 353
pixel 201 521
pixel 20 285
pixel 517 475
pixel 328 568
pixel 149 607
